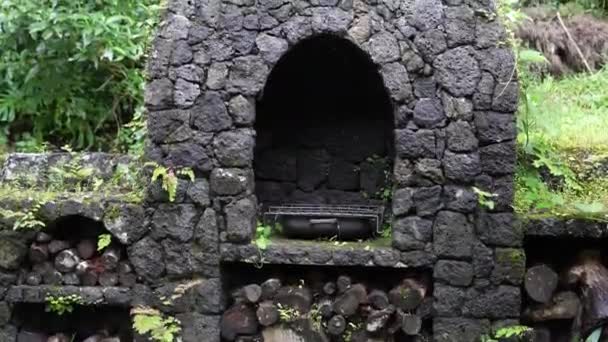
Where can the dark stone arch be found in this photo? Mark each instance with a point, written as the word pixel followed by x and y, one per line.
pixel 322 115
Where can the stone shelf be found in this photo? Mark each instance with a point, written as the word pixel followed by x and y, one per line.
pixel 555 227
pixel 91 295
pixel 326 253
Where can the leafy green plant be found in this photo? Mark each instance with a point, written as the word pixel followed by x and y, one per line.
pixel 169 178
pixel 71 71
pixel 262 235
pixel 160 328
pixel 484 198
pixel 517 331
pixel 62 304
pixel 288 314
pixel 24 220
pixel 103 241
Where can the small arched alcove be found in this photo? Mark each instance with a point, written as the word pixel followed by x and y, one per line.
pixel 324 126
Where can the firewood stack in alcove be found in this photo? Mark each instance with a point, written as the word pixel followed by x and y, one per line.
pixel 340 310
pixel 28 336
pixel 570 303
pixel 78 263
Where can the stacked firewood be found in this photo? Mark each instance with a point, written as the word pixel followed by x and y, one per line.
pixel 578 293
pixel 62 262
pixel 61 337
pixel 332 311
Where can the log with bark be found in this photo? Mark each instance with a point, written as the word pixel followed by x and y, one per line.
pixel 590 277
pixel 378 299
pixel 67 260
pixel 86 249
pixel 540 283
pixel 239 319
pixel 39 253
pixel 248 294
pixel 298 298
pixel 270 288
pixel 409 295
pixel 564 305
pixel 267 313
pixel 110 258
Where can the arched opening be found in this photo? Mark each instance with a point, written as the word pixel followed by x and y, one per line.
pixel 324 127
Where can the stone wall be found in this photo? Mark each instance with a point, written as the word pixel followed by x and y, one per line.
pixel 453 99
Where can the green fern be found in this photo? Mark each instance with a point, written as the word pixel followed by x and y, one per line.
pixel 103 241
pixel 160 329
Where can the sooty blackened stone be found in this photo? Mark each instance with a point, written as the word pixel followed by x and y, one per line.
pixel 453 235
pixel 234 148
pixel 240 220
pixel 501 302
pixel 277 165
pixel 125 222
pixel 146 256
pixel 231 181
pixel 343 175
pixel 175 221
pixel 456 273
pixel 312 168
pixel 458 198
pixel 499 230
pixel 373 176
pixel 188 154
pixel 418 259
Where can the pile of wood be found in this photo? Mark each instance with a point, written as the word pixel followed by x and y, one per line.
pixel 61 262
pixel 332 311
pixel 28 336
pixel 578 295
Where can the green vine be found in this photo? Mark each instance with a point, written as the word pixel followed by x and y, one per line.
pixel 103 241
pixel 62 304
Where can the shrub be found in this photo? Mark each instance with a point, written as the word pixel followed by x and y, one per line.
pixel 71 71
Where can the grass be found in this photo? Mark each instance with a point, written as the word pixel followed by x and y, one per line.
pixel 561 157
pixel 571 112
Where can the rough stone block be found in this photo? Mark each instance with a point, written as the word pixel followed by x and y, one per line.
pixel 453 235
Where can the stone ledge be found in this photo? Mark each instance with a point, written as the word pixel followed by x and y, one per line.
pixel 573 228
pixel 320 253
pixel 90 295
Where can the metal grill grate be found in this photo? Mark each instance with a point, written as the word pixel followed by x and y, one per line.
pixel 373 212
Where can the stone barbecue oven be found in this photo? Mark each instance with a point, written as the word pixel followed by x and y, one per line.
pixel 406 106
pixel 405 103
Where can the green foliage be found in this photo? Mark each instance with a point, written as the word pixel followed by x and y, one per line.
pixel 24 220
pixel 71 71
pixel 263 232
pixel 595 335
pixel 169 178
pixel 484 198
pixel 159 327
pixel 288 314
pixel 517 331
pixel 103 241
pixel 62 304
